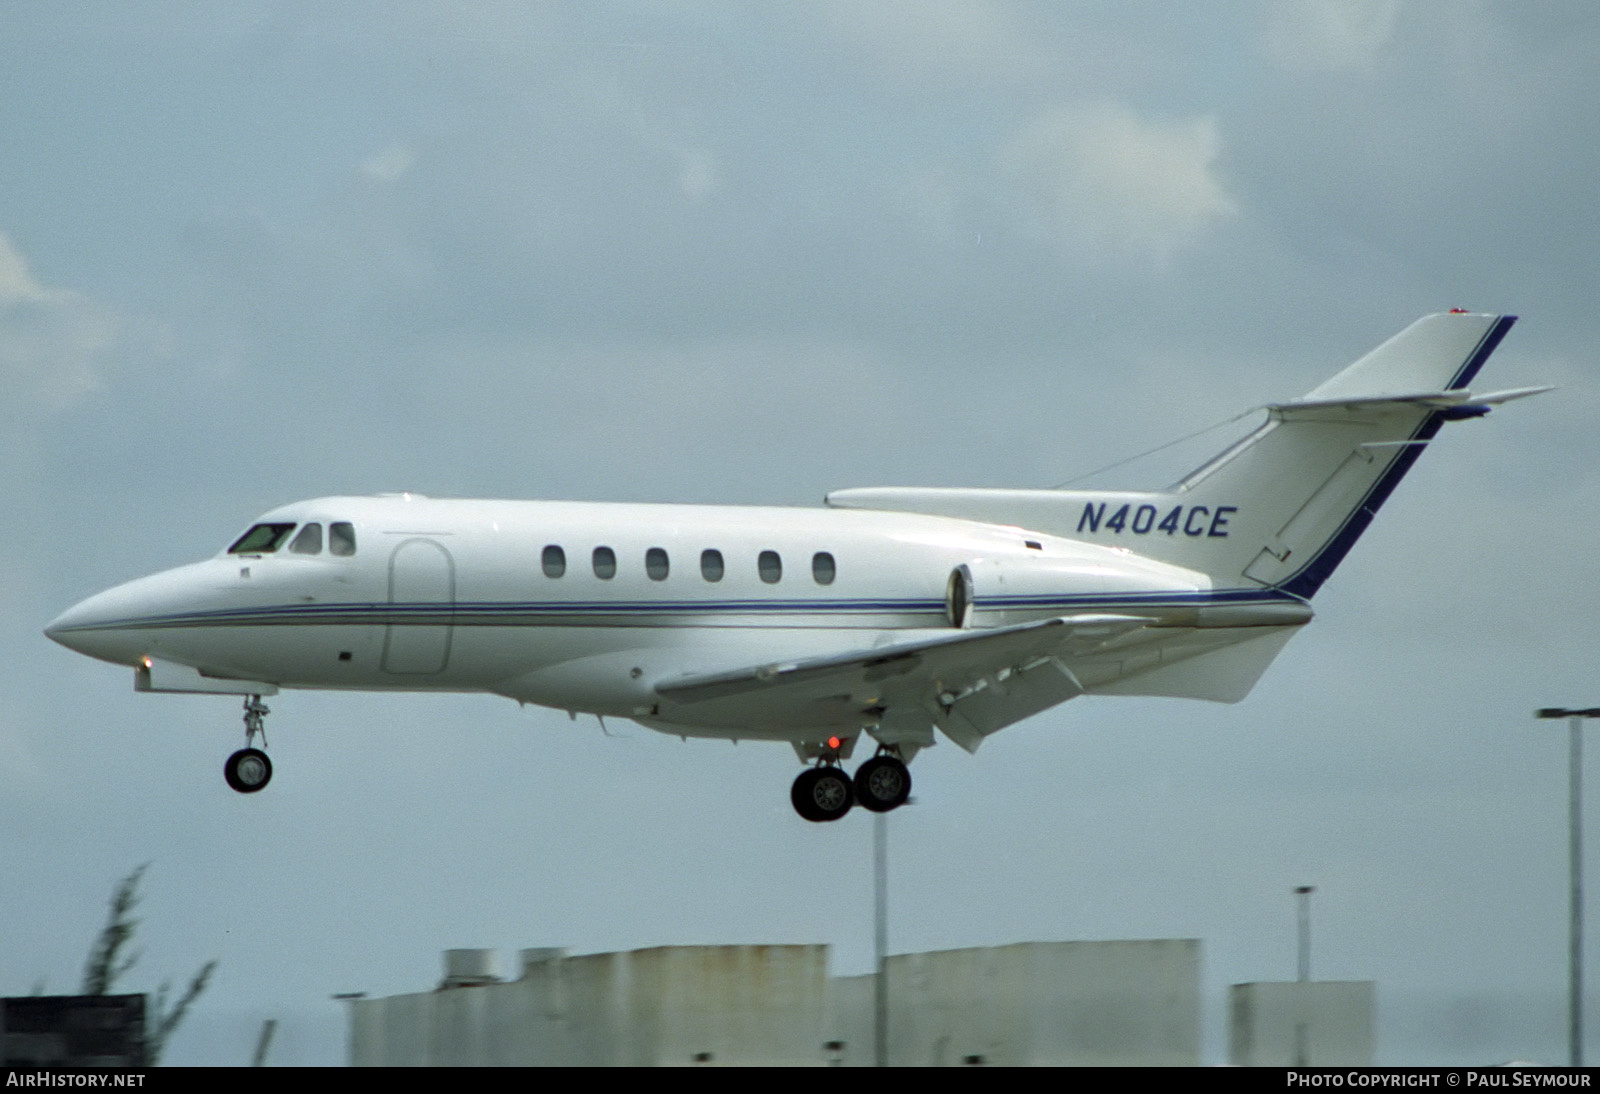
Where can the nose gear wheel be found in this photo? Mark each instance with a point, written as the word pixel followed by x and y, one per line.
pixel 248 770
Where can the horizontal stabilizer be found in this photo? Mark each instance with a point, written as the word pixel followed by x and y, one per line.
pixel 1427 400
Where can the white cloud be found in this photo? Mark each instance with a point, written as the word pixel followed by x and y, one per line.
pixel 17 285
pixel 391 163
pixel 1328 35
pixel 50 339
pixel 1110 185
pixel 697 173
pixel 967 41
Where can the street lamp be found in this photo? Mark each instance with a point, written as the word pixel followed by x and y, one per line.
pixel 1304 893
pixel 1302 1047
pixel 880 936
pixel 880 939
pixel 1574 847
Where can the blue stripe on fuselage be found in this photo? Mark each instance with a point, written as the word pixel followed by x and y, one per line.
pixel 659 613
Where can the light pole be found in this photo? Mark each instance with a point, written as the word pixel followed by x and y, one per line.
pixel 1302 1049
pixel 1575 866
pixel 1304 893
pixel 880 939
pixel 880 935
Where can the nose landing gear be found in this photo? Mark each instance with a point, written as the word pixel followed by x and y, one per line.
pixel 248 770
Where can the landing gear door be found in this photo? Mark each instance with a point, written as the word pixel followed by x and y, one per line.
pixel 422 593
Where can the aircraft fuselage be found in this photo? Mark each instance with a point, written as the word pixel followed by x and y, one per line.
pixel 589 606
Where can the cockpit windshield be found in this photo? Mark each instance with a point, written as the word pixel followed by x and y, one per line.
pixel 262 539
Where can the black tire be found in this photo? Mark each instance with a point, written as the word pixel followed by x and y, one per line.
pixel 882 783
pixel 248 770
pixel 822 794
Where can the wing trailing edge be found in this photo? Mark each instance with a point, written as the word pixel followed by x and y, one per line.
pixel 881 664
pixel 971 683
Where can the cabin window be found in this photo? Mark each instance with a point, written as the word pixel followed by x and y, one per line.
pixel 554 560
pixel 711 565
pixel 341 538
pixel 770 567
pixel 605 563
pixel 655 564
pixel 822 568
pixel 262 539
pixel 309 541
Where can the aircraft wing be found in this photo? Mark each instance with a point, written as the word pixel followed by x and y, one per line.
pixel 970 682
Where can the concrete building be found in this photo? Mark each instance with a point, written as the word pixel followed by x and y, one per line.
pixel 670 1005
pixel 1032 1003
pixel 72 1031
pixel 1045 1003
pixel 1317 1023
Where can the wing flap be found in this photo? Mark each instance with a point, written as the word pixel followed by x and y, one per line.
pixel 971 683
pixel 1006 697
pixel 951 662
pixel 1218 666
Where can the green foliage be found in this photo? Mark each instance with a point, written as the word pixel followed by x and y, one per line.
pixel 162 1022
pixel 107 964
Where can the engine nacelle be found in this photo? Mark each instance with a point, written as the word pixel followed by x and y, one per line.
pixel 1007 590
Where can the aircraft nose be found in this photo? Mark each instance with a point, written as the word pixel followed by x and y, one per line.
pixel 125 623
pixel 91 627
pixel 56 630
pixel 120 624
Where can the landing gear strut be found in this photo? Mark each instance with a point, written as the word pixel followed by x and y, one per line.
pixel 248 769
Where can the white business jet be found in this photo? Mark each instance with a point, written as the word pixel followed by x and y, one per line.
pixel 891 613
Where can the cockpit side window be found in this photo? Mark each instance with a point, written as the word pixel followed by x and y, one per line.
pixel 309 541
pixel 342 538
pixel 262 539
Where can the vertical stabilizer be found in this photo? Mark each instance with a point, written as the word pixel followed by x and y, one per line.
pixel 1281 508
pixel 1316 473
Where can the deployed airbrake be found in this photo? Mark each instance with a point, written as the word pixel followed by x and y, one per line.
pixel 893 613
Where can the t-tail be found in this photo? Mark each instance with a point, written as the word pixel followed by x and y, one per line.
pixel 1279 509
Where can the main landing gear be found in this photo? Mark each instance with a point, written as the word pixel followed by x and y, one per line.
pixel 248 769
pixel 826 793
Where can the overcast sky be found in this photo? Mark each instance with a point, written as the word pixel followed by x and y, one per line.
pixel 718 252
